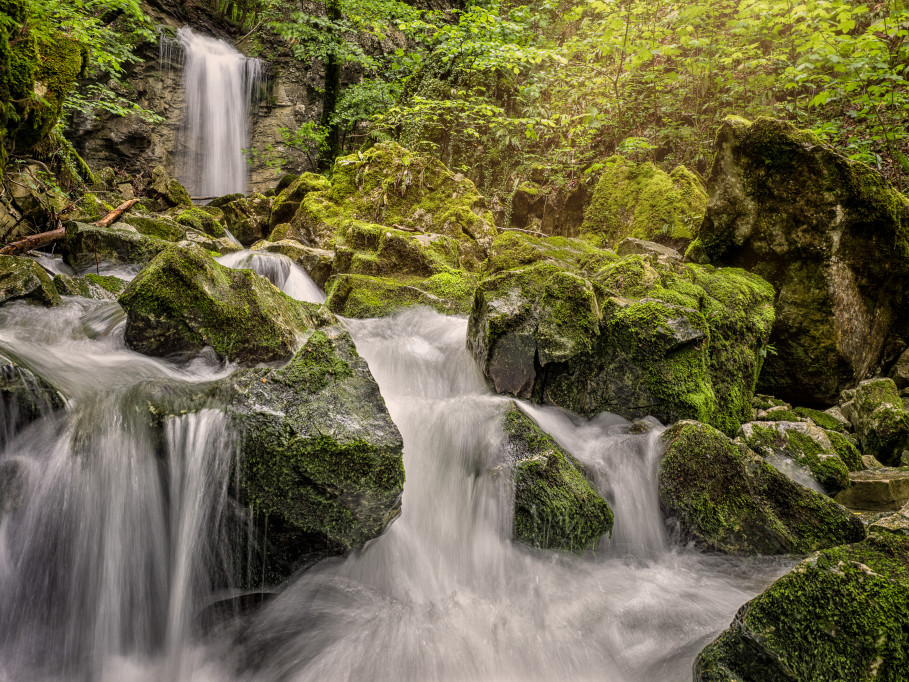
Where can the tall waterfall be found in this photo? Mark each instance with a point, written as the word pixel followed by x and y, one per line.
pixel 220 86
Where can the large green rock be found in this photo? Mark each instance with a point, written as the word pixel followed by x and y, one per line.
pixel 880 420
pixel 85 246
pixel 363 296
pixel 154 225
pixel 320 459
pixel 555 506
pixel 832 237
pixel 640 200
pixel 731 500
pixel 247 217
pixel 164 192
pixel 22 279
pixel 183 301
pixel 561 323
pixel 840 614
pixel 287 201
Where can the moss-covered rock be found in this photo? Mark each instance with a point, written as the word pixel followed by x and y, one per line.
pixel 639 336
pixel 880 419
pixel 805 444
pixel 642 201
pixel 24 397
pixel 90 208
pixel 86 245
pixel 22 279
pixel 165 192
pixel 247 217
pixel 183 301
pixel 555 506
pixel 316 262
pixel 830 234
pixel 155 225
pixel 731 500
pixel 287 201
pixel 98 287
pixel 823 419
pixel 845 449
pixel 320 458
pixel 202 221
pixel 839 615
pixel 363 296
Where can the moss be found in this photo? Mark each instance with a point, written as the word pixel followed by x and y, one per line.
pixel 104 288
pixel 733 501
pixel 90 208
pixel 85 245
pixel 288 199
pixel 781 416
pixel 846 451
pixel 22 279
pixel 838 615
pixel 114 285
pixel 822 419
pixel 364 296
pixel 555 506
pixel 642 201
pixel 201 220
pixel 156 226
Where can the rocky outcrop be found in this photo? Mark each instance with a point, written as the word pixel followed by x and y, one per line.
pixel 22 279
pixel 839 615
pixel 877 489
pixel 247 217
pixel 555 506
pixel 320 459
pixel 880 419
pixel 551 210
pixel 561 323
pixel 731 500
pixel 287 201
pixel 184 301
pixel 830 234
pixel 642 201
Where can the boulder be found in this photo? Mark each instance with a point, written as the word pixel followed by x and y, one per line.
pixel 900 371
pixel 838 615
pixel 630 245
pixel 183 301
pixel 830 234
pixel 640 200
pixel 98 287
pixel 637 336
pixel 154 225
pixel 287 201
pixel 164 192
pixel 880 419
pixel 897 523
pixel 555 506
pixel 24 397
pixel 553 210
pixel 247 218
pixel 731 500
pixel 804 444
pixel 87 245
pixel 363 296
pixel 319 458
pixel 877 489
pixel 22 279
pixel 202 219
pixel 832 421
pixel 316 262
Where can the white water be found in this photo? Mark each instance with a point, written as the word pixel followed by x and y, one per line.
pixel 115 546
pixel 220 85
pixel 279 270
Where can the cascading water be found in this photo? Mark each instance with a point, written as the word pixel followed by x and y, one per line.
pixel 113 547
pixel 220 85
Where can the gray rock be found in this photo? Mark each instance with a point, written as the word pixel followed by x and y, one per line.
pixel 22 279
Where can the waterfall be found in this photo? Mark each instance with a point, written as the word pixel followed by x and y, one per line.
pixel 220 85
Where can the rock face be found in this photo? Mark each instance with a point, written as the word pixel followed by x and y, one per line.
pixel 832 237
pixel 22 279
pixel 319 457
pixel 838 615
pixel 560 323
pixel 24 398
pixel 184 301
pixel 247 217
pixel 880 420
pixel 287 202
pixel 555 211
pixel 642 201
pixel 555 506
pixel 877 489
pixel 731 500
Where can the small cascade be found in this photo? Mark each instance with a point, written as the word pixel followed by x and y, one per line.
pixel 280 271
pixel 221 84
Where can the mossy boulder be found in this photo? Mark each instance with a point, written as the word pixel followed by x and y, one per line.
pixel 880 419
pixel 320 460
pixel 804 444
pixel 555 506
pixel 729 499
pixel 838 615
pixel 86 245
pixel 183 301
pixel 22 279
pixel 287 201
pixel 247 218
pixel 91 285
pixel 637 336
pixel 363 296
pixel 202 220
pixel 640 200
pixel 165 192
pixel 316 262
pixel 90 208
pixel 24 397
pixel 830 234
pixel 155 225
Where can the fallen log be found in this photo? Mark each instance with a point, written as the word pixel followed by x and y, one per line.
pixel 114 215
pixel 33 242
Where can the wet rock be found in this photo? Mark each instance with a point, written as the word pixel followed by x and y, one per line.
pixel 183 301
pixel 320 458
pixel 833 421
pixel 364 296
pixel 87 245
pixel 551 210
pixel 805 444
pixel 832 237
pixel 247 217
pixel 24 397
pixel 203 219
pixel 877 489
pixel 555 506
pixel 642 201
pixel 635 335
pixel 22 279
pixel 880 419
pixel 154 225
pixel 287 201
pixel 316 262
pixel 838 615
pixel 897 524
pixel 731 500
pixel 97 287
pixel 223 245
pixel 900 371
pixel 165 191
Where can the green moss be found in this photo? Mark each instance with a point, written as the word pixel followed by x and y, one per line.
pixel 822 419
pixel 22 279
pixel 114 285
pixel 156 226
pixel 846 451
pixel 364 296
pixel 201 220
